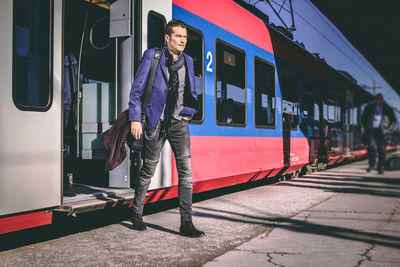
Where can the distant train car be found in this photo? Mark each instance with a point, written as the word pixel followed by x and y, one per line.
pixel 268 107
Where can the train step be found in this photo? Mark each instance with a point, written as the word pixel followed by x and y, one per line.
pixel 80 198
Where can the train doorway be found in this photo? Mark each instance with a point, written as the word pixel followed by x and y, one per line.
pixel 90 96
pixel 99 67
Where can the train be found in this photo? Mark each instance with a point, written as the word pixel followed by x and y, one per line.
pixel 268 107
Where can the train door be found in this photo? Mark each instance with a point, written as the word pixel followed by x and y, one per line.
pixel 290 111
pixel 30 110
pixel 348 125
pixel 341 120
pixel 97 78
pixel 310 117
pixel 155 15
pixel 103 41
pixel 330 115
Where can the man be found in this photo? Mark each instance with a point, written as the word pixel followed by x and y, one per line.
pixel 172 103
pixel 374 120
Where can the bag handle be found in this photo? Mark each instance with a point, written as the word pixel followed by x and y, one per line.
pixel 149 87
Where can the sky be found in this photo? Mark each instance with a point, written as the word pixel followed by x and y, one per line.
pixel 319 35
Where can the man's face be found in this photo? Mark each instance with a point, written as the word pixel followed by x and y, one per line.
pixel 177 41
pixel 378 100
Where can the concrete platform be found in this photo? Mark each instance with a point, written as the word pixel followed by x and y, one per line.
pixel 340 217
pixel 357 225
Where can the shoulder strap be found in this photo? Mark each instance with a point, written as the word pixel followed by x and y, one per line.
pixel 157 56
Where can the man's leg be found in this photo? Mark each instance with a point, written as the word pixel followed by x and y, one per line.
pixel 179 138
pixel 152 149
pixel 381 147
pixel 371 152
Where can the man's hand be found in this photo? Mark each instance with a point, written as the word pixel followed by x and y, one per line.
pixel 136 129
pixel 186 118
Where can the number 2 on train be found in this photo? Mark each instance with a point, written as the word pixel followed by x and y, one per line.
pixel 210 58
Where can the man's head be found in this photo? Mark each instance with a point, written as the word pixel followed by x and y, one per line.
pixel 176 36
pixel 378 99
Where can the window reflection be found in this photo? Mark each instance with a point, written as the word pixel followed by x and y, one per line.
pixel 32 54
pixel 265 100
pixel 194 48
pixel 230 85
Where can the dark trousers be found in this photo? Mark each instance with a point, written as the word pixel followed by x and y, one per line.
pixel 177 133
pixel 376 143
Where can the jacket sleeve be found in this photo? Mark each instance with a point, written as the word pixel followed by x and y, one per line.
pixel 139 86
pixel 391 115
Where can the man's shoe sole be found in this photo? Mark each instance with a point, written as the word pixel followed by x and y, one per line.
pixel 139 229
pixel 191 236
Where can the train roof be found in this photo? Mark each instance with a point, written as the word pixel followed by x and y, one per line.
pixel 294 52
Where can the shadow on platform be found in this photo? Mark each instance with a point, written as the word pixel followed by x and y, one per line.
pixel 303 227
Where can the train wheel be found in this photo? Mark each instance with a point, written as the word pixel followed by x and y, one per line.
pixel 296 174
pixel 309 168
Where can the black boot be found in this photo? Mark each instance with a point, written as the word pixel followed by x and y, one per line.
pixel 187 229
pixel 137 222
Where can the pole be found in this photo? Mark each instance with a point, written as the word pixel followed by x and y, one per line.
pixel 373 87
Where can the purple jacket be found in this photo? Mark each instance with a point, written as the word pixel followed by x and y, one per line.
pixel 160 90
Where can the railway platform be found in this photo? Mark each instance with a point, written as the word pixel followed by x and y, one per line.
pixel 356 224
pixel 340 217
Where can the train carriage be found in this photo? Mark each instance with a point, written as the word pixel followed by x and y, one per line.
pixel 268 107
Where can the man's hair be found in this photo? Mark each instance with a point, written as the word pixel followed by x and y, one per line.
pixel 379 96
pixel 174 23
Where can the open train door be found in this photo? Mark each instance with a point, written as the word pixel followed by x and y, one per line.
pixel 154 14
pixel 31 108
pixel 349 123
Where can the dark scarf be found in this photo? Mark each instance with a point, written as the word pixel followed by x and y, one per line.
pixel 173 82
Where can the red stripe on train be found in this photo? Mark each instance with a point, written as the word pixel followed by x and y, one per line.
pixel 206 185
pixel 24 221
pixel 219 156
pixel 231 17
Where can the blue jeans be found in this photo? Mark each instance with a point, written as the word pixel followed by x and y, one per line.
pixel 177 133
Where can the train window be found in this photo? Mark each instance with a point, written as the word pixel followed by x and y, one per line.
pixel 290 101
pixel 155 30
pixel 264 94
pixel 354 116
pixel 194 48
pixel 330 107
pixel 331 112
pixel 32 55
pixel 230 85
pixel 308 101
pixel 316 112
